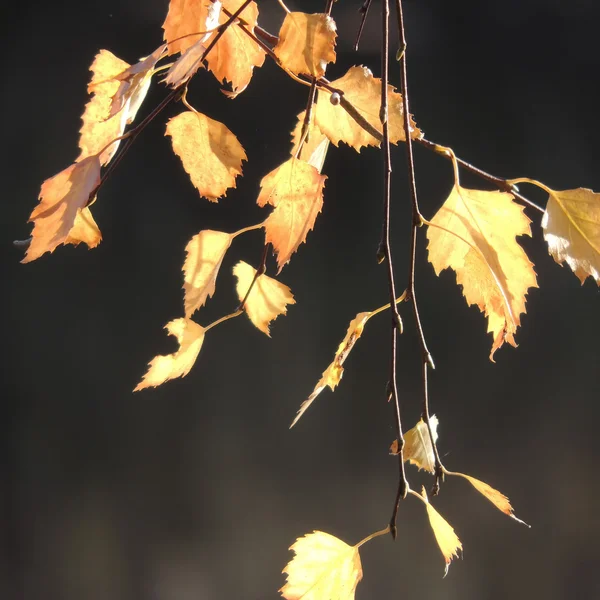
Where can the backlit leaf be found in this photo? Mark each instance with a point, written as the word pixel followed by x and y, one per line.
pixel 418 448
pixel 267 300
pixel 333 374
pixel 295 189
pixel 134 84
pixel 186 65
pixel 444 534
pixel 363 91
pixel 324 568
pixel 210 153
pixel 306 43
pixel 474 233
pixel 315 146
pixel 205 253
pixel 99 127
pixel 190 336
pixel 572 230
pixel 58 218
pixel 188 17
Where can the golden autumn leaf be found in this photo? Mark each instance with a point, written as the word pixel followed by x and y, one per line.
pixel 498 499
pixel 418 448
pixel 333 374
pixel 571 226
pixel 99 128
pixel 190 336
pixel 186 65
pixel 134 84
pixel 58 218
pixel 444 533
pixel 363 91
pixel 205 253
pixel 306 43
pixel 210 153
pixel 295 189
pixel 323 568
pixel 474 233
pixel 188 17
pixel 267 300
pixel 315 146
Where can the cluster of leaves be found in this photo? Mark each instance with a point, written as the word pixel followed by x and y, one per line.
pixel 474 232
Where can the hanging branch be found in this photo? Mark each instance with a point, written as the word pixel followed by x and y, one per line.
pixel 427 360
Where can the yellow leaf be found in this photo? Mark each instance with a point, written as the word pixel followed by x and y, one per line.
pixel 186 65
pixel 210 153
pixel 186 17
pixel 498 499
pixel 363 91
pixel 190 336
pixel 333 374
pixel 324 568
pixel 295 189
pixel 474 234
pixel 315 146
pixel 571 226
pixel 267 300
pixel 306 43
pixel 99 127
pixel 205 252
pixel 57 218
pixel 134 84
pixel 444 534
pixel 417 445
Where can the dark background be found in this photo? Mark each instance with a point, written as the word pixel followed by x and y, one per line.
pixel 196 489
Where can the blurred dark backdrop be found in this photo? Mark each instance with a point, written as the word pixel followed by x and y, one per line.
pixel 196 489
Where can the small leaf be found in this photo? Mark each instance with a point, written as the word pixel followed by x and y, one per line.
pixel 295 189
pixel 190 336
pixel 210 153
pixel 135 82
pixel 474 233
pixel 205 253
pixel 324 568
pixel 498 499
pixel 571 226
pixel 444 534
pixel 306 43
pixel 315 145
pixel 267 300
pixel 99 127
pixel 418 448
pixel 185 67
pixel 58 217
pixel 333 374
pixel 363 91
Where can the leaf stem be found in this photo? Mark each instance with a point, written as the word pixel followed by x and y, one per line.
pixel 372 536
pixel 232 315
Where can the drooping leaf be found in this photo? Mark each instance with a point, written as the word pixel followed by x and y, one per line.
pixel 210 153
pixel 498 499
pixel 363 91
pixel 186 18
pixel 474 233
pixel 323 568
pixel 186 65
pixel 295 189
pixel 333 374
pixel 571 226
pixel 418 448
pixel 315 146
pixel 190 336
pixel 444 533
pixel 134 84
pixel 99 128
pixel 268 298
pixel 59 217
pixel 205 253
pixel 306 43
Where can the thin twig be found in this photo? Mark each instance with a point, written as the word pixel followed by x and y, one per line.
pixel 416 223
pixel 364 11
pixel 385 248
pixel 260 271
